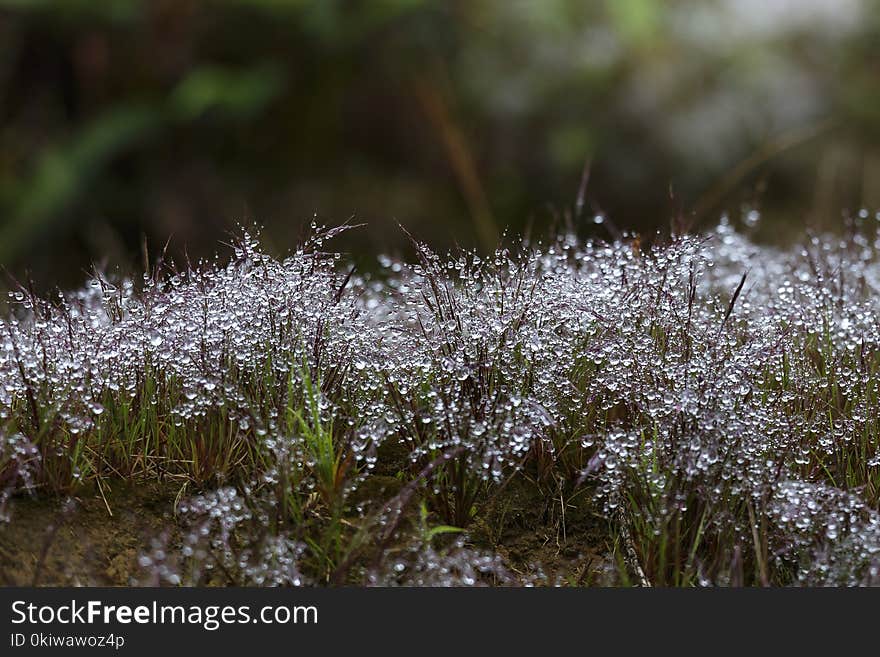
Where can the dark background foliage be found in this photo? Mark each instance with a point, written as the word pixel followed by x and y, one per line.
pixel 124 122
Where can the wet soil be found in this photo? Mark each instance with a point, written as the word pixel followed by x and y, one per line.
pixel 77 542
pixel 49 542
pixel 534 529
pixel 545 537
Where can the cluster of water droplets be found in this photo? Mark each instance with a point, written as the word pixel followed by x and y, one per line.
pixel 704 370
pixel 19 463
pixel 209 336
pixel 423 564
pixel 835 534
pixel 734 375
pixel 471 357
pixel 225 539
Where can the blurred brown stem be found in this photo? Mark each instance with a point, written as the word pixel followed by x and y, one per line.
pixel 460 159
pixel 713 196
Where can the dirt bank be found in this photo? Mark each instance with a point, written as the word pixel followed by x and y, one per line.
pixel 78 542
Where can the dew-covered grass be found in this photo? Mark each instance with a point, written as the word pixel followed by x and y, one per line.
pixel 714 401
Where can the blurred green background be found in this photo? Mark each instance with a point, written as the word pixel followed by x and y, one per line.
pixel 125 121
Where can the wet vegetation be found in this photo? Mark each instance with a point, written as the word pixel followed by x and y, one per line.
pixel 698 410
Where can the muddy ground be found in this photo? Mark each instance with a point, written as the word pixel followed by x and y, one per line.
pixel 95 540
pixel 77 542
